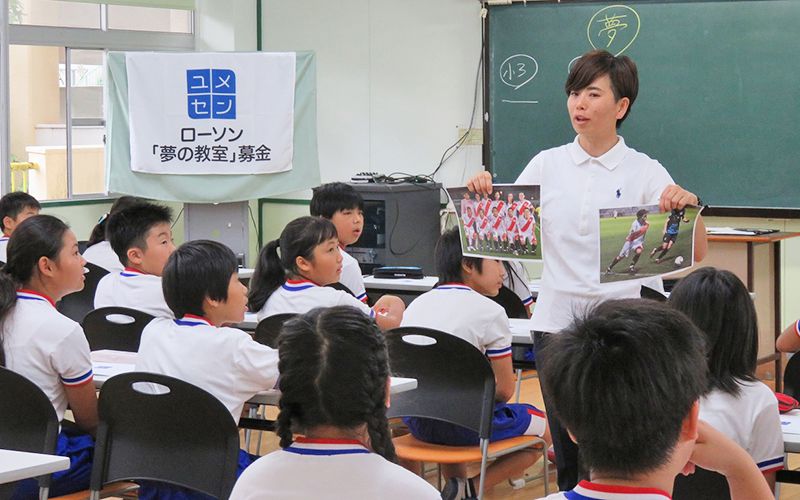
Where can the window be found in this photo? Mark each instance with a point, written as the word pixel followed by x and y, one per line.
pixel 57 73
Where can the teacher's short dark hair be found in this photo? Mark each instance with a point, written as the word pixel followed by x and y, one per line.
pixel 621 70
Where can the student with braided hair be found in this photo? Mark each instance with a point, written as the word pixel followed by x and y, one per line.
pixel 334 390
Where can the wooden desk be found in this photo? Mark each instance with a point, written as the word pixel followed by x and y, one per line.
pixel 745 256
pixel 18 465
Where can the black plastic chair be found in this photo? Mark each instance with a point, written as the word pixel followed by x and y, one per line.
pixel 269 328
pixel 455 384
pixel 511 303
pixel 117 328
pixel 145 436
pixel 702 485
pixel 791 377
pixel 341 287
pixel 77 305
pixel 28 421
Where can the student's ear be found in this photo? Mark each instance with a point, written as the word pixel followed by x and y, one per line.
pixel 302 264
pixel 466 269
pixel 689 428
pixel 209 305
pixel 8 224
pixel 623 105
pixel 46 266
pixel 135 256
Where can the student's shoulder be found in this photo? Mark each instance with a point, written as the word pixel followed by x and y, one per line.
pixel 400 483
pixel 759 393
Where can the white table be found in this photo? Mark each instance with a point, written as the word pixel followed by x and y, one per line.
pixel 520 331
pixel 250 322
pixel 791 431
pixel 418 286
pixel 18 465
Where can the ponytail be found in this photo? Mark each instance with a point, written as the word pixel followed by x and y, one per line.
pixel 99 231
pixel 298 239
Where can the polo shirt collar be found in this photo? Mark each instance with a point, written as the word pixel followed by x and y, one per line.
pixel 609 160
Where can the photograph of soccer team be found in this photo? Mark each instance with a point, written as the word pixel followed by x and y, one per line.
pixel 639 242
pixel 503 225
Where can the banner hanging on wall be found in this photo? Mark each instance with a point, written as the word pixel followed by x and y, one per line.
pixel 211 113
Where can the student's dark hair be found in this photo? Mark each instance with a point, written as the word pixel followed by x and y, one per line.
pixel 196 270
pixel 623 378
pixel 621 70
pixel 36 237
pixel 334 196
pixel 99 230
pixel 334 368
pixel 448 258
pixel 13 203
pixel 720 306
pixel 298 239
pixel 128 228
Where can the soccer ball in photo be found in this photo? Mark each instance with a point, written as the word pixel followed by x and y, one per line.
pixel 679 260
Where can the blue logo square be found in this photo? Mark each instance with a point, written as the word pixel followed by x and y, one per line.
pixel 198 81
pixel 223 81
pixel 224 107
pixel 211 94
pixel 200 106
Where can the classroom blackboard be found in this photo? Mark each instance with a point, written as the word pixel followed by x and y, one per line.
pixel 719 97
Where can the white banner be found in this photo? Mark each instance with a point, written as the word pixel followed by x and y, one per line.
pixel 211 113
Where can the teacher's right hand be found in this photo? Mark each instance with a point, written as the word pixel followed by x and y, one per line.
pixel 480 183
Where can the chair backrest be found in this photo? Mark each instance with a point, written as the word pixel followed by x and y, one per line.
pixel 269 328
pixel 78 304
pixel 511 303
pixel 117 328
pixel 702 485
pixel 791 377
pixel 28 421
pixel 342 287
pixel 147 436
pixel 455 382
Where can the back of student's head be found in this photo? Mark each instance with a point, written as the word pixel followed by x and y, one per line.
pixel 720 306
pixel 298 239
pixel 594 64
pixel 448 258
pixel 99 230
pixel 196 270
pixel 129 227
pixel 334 196
pixel 13 203
pixel 622 379
pixel 36 237
pixel 334 370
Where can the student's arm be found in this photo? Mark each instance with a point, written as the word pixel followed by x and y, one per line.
pixel 714 451
pixel 82 401
pixel 789 339
pixel 700 239
pixel 389 311
pixel 504 379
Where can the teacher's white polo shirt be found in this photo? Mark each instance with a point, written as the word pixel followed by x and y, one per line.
pixel 301 296
pixel 133 289
pixel 575 186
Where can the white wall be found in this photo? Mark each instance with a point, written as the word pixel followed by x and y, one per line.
pixel 395 79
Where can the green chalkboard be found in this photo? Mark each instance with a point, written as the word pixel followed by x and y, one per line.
pixel 719 97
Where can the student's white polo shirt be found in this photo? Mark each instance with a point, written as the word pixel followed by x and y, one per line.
pixel 459 310
pixel 46 347
pixel 591 491
pixel 133 289
pixel 575 186
pixel 101 254
pixel 3 247
pixel 751 420
pixel 330 469
pixel 226 362
pixel 351 276
pixel 517 280
pixel 301 296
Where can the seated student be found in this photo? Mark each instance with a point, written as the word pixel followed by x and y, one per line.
pixel 14 208
pixel 625 381
pixel 737 404
pixel 334 390
pixel 46 347
pixel 98 248
pixel 341 204
pixel 294 281
pixel 458 306
pixel 517 280
pixel 141 237
pixel 201 286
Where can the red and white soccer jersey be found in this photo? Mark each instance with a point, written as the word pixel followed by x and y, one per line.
pixel 483 226
pixel 133 289
pixel 46 347
pixel 501 207
pixel 591 491
pixel 527 229
pixel 486 205
pixel 635 238
pixel 467 204
pixel 498 229
pixel 330 468
pixel 351 276
pixel 101 254
pixel 522 205
pixel 226 362
pixel 469 226
pixel 750 419
pixel 512 228
pixel 301 296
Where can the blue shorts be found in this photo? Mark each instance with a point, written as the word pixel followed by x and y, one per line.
pixel 510 420
pixel 79 447
pixel 150 490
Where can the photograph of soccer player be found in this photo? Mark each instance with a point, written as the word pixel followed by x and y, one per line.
pixel 503 226
pixel 630 226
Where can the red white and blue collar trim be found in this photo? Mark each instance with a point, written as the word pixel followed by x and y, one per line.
pixel 528 301
pixel 362 297
pixel 29 295
pixel 454 286
pixel 298 285
pixel 192 320
pixel 326 447
pixel 130 272
pixel 591 491
pixel 78 381
pixel 771 465
pixel 4 238
pixel 498 353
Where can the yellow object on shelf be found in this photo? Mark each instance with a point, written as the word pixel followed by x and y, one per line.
pixel 22 166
